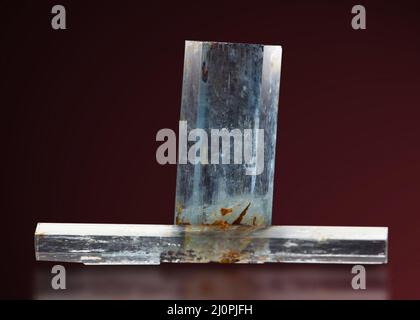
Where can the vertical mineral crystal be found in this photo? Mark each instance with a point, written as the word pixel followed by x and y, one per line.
pixel 232 88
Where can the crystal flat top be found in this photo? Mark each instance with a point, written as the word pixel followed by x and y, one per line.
pixel 230 43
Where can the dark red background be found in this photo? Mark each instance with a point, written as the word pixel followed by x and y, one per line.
pixel 81 109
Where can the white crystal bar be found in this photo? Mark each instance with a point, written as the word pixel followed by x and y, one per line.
pixel 155 244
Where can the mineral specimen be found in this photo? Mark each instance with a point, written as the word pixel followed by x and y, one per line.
pixel 234 87
pixel 153 244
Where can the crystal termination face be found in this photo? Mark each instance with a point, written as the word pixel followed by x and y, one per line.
pixel 155 244
pixel 231 86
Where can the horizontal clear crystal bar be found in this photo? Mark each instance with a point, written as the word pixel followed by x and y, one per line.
pixel 155 244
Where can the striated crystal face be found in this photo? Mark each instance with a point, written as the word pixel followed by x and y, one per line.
pixel 154 244
pixel 235 87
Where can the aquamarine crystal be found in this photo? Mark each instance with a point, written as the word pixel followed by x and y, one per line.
pixel 155 244
pixel 235 87
pixel 224 195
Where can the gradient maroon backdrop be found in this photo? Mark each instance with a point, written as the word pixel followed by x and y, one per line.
pixel 81 108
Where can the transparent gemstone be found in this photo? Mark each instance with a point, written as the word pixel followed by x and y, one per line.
pixel 155 244
pixel 231 86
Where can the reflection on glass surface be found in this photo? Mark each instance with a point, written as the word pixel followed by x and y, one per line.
pixel 211 281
